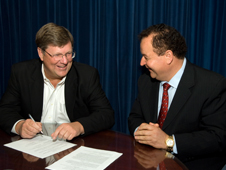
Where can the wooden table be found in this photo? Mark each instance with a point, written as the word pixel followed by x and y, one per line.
pixel 135 156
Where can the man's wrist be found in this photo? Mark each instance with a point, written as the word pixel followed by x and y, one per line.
pixel 80 127
pixel 19 127
pixel 170 143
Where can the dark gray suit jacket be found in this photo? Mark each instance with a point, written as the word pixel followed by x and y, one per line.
pixel 85 100
pixel 197 115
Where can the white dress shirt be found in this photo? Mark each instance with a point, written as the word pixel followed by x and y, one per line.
pixel 54 109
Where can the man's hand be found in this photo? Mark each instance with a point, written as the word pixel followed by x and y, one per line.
pixel 68 131
pixel 151 134
pixel 28 128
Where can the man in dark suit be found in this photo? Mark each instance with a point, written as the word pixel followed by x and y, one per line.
pixel 195 111
pixel 55 89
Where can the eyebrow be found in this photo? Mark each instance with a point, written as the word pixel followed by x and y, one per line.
pixel 62 54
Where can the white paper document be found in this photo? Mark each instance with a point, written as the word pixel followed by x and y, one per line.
pixel 40 146
pixel 85 158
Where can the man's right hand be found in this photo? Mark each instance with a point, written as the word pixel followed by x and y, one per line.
pixel 151 134
pixel 28 128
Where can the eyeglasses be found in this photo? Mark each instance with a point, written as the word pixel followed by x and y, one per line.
pixel 57 57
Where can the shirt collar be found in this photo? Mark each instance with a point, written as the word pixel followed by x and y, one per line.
pixel 47 80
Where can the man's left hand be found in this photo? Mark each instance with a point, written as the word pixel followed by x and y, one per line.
pixel 68 131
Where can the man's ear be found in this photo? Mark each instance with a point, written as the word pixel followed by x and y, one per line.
pixel 169 56
pixel 40 53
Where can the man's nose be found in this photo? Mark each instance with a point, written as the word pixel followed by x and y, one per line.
pixel 64 59
pixel 142 61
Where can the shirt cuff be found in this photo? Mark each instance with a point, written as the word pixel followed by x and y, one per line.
pixel 174 146
pixel 13 130
pixel 135 130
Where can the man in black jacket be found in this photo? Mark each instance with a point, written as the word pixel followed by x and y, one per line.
pixel 54 89
pixel 194 114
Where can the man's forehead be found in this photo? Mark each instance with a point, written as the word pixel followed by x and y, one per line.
pixel 52 46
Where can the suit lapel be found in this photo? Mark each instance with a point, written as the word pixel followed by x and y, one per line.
pixel 71 86
pixel 151 100
pixel 36 86
pixel 182 94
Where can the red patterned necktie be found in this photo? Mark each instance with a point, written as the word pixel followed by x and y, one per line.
pixel 164 106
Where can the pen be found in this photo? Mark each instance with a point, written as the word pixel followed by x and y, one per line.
pixel 33 120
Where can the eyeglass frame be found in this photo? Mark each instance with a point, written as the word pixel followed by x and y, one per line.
pixel 62 55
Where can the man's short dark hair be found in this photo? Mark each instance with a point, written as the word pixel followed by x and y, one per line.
pixel 166 38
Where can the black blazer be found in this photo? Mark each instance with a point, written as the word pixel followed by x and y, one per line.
pixel 197 115
pixel 84 98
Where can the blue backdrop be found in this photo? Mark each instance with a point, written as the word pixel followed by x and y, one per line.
pixel 105 33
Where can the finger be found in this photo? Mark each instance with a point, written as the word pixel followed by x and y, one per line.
pixel 27 129
pixel 140 138
pixel 145 127
pixel 150 123
pixel 140 131
pixel 70 137
pixel 35 127
pixel 27 134
pixel 65 135
pixel 56 133
pixel 144 139
pixel 154 124
pixel 31 131
pixel 145 132
pixel 40 126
